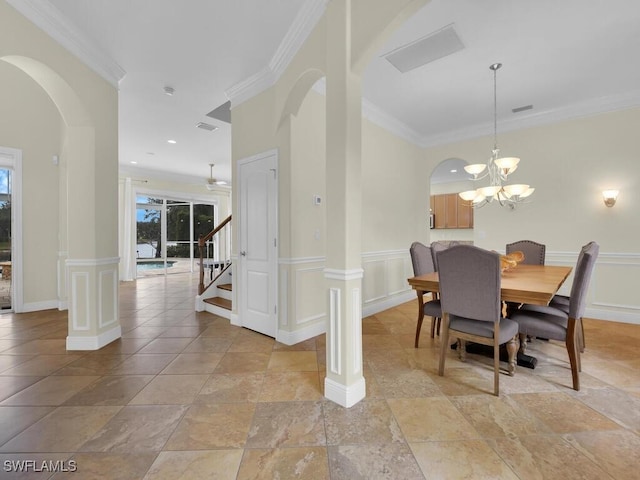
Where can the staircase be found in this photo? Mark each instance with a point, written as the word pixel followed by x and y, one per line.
pixel 221 304
pixel 216 296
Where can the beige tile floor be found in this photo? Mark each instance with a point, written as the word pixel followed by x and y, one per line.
pixel 185 395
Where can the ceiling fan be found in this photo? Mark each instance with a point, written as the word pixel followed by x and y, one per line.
pixel 212 183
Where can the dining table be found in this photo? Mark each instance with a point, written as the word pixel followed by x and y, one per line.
pixel 532 284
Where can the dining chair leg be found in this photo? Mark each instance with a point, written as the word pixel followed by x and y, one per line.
pixel 462 350
pixel 444 343
pixel 420 318
pixel 418 327
pixel 496 368
pixel 582 341
pixel 512 351
pixel 574 353
pixel 523 343
pixel 433 327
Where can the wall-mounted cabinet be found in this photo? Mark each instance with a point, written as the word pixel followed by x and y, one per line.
pixel 450 211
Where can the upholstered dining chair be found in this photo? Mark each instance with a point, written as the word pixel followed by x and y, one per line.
pixel 422 262
pixel 437 247
pixel 471 309
pixel 534 252
pixel 555 324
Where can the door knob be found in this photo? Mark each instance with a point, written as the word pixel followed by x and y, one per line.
pixel 243 253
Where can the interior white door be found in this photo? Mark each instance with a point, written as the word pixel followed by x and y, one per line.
pixel 257 234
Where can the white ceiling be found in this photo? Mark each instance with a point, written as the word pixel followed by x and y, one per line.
pixel 567 58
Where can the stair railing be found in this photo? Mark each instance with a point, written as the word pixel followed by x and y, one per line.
pixel 215 253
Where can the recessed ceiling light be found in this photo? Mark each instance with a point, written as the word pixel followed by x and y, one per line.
pixel 454 171
pixel 171 141
pixel 169 91
pixel 134 162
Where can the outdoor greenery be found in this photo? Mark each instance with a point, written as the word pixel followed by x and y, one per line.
pixel 149 231
pixel 5 231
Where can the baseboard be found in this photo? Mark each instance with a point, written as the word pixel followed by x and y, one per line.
pixel 37 306
pixel 234 319
pixel 221 312
pixel 297 336
pixel 377 306
pixel 94 342
pixel 612 316
pixel 343 395
pixel 199 305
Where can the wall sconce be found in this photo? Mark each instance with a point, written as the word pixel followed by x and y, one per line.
pixel 610 197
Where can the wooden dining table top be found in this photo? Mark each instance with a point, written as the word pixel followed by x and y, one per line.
pixel 534 284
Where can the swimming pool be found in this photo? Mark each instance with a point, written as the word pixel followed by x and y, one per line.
pixel 154 264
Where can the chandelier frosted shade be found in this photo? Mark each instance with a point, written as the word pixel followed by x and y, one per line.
pixel 475 169
pixel 468 195
pixel 507 165
pixel 516 190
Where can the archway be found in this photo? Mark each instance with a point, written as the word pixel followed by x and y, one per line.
pixel 91 292
pixel 452 217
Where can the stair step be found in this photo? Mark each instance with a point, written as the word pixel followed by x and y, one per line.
pixel 226 286
pixel 219 302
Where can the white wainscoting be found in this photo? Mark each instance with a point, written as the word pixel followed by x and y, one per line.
pixel 385 280
pixel 303 304
pixel 613 293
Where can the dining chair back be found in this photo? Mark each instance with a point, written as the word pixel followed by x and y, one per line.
pixel 421 259
pixel 470 284
pixel 534 252
pixel 422 262
pixel 439 246
pixel 555 324
pixel 582 279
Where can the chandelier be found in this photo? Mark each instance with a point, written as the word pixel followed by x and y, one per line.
pixel 497 170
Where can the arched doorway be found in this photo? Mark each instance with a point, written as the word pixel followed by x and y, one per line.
pixel 452 217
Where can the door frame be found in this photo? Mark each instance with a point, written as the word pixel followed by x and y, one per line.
pixel 273 263
pixel 11 159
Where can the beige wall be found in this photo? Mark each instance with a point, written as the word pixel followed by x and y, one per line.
pixel 569 164
pixel 31 122
pixel 393 193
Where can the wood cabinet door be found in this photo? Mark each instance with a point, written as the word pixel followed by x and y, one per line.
pixel 465 214
pixel 440 211
pixel 451 215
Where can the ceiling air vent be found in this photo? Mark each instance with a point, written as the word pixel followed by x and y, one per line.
pixel 522 109
pixel 206 126
pixel 436 45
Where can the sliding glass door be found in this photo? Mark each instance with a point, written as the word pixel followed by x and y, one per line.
pixel 6 302
pixel 167 233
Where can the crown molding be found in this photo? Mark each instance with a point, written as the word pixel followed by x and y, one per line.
pixel 587 108
pixel 305 21
pixel 376 115
pixel 250 87
pixel 49 19
pixel 144 174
